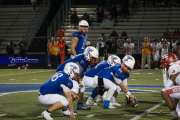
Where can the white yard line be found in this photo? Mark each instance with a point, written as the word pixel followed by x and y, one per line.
pixel 25 73
pixel 20 83
pixel 149 73
pixel 8 93
pixel 3 114
pixel 90 115
pixel 12 79
pixel 147 111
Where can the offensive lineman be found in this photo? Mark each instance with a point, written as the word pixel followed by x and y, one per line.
pixel 90 78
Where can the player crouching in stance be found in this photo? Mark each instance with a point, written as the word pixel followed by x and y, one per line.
pixel 121 75
pixel 59 91
pixel 115 75
pixel 171 94
pixel 91 79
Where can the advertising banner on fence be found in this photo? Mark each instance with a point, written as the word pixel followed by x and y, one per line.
pixel 29 59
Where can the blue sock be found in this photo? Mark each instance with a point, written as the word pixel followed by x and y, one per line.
pixel 106 104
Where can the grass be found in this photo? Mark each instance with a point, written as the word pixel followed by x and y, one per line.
pixel 25 106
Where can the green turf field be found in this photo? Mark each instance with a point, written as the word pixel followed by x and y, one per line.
pixel 24 106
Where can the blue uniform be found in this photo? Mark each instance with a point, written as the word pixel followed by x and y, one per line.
pixel 53 85
pixel 114 70
pixel 81 42
pixel 92 72
pixel 79 59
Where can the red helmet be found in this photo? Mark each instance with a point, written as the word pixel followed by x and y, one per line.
pixel 167 60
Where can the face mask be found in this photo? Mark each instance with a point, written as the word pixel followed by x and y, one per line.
pixel 178 80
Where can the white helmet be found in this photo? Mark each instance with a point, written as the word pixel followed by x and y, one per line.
pixel 84 23
pixel 174 68
pixel 129 61
pixel 91 51
pixel 71 68
pixel 113 59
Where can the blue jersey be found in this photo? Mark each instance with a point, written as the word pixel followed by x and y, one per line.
pixel 82 38
pixel 53 85
pixel 116 71
pixel 92 72
pixel 79 59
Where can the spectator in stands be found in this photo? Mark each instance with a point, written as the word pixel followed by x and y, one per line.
pixel 146 54
pixel 74 19
pixel 174 43
pixel 155 45
pixel 114 37
pixel 86 17
pixel 61 45
pixel 114 34
pixel 10 48
pixel 167 34
pixel 128 47
pixel 164 46
pixel 109 47
pixel 124 36
pixel 54 52
pixel 99 14
pixel 101 46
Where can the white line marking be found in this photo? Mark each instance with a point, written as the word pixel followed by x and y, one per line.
pixel 90 115
pixel 147 111
pixel 34 79
pixel 149 73
pixel 3 114
pixel 11 79
pixel 144 90
pixel 19 83
pixel 7 93
pixel 25 73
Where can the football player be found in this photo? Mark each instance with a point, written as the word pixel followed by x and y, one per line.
pixel 171 94
pixel 58 91
pixel 91 79
pixel 117 75
pixel 86 60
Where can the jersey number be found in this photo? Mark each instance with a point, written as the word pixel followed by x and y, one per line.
pixel 56 76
